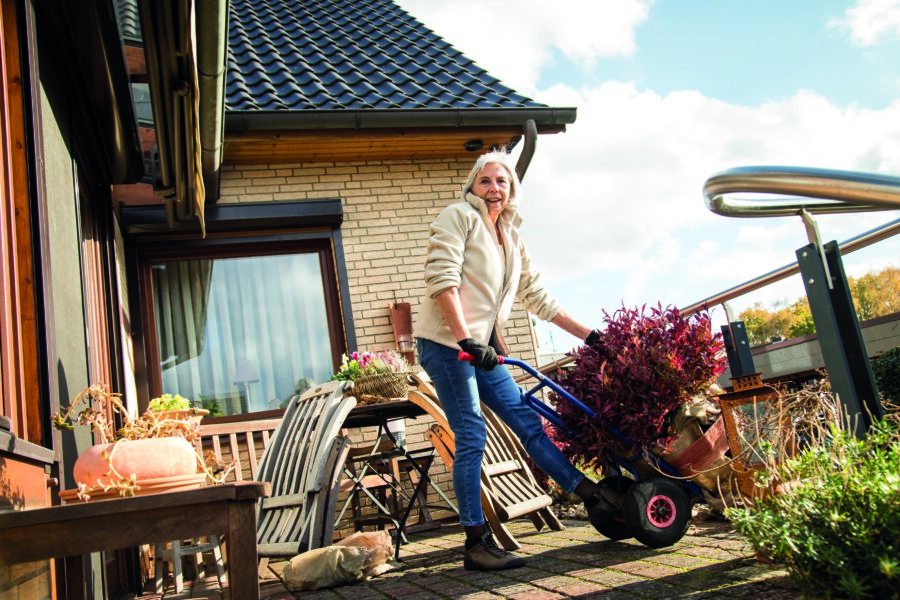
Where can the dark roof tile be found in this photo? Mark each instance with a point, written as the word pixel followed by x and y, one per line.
pixel 349 54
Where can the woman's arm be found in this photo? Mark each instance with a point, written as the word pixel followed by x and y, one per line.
pixel 451 309
pixel 565 322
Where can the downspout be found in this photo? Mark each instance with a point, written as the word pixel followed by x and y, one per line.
pixel 212 40
pixel 530 131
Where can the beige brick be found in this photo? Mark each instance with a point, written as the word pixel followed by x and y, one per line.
pixel 342 170
pixel 308 171
pixel 304 179
pixel 256 198
pixel 373 168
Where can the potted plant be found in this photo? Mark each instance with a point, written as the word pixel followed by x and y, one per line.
pixel 143 455
pixel 376 376
pixel 176 407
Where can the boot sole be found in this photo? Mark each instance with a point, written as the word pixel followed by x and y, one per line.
pixel 471 566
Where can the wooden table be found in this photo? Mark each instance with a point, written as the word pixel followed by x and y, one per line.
pixel 76 529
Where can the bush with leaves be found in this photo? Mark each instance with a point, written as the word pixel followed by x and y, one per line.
pixel 645 366
pixel 835 522
pixel 886 369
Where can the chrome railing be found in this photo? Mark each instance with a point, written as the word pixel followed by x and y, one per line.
pixel 855 243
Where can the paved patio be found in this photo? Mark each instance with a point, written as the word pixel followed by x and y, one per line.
pixel 711 561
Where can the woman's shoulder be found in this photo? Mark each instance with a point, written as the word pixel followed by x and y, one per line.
pixel 458 211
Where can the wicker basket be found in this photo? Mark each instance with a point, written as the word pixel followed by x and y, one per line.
pixel 383 387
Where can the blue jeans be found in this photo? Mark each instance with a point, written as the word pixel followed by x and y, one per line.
pixel 460 387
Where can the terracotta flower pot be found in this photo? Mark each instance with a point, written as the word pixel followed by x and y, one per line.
pixel 148 459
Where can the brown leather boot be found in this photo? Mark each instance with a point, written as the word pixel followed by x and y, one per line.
pixel 488 556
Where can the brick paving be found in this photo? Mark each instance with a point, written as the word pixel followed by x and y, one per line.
pixel 710 562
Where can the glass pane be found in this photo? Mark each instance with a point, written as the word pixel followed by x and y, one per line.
pixel 244 333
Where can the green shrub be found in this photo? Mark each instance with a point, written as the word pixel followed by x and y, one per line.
pixel 886 369
pixel 835 524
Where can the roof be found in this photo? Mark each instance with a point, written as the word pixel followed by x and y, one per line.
pixel 312 55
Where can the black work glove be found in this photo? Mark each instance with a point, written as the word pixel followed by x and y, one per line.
pixel 594 338
pixel 485 356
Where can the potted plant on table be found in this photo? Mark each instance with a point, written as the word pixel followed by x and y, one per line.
pixel 147 454
pixel 375 376
pixel 177 407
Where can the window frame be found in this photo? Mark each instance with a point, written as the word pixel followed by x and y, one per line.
pixel 326 244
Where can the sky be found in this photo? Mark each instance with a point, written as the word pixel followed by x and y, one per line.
pixel 669 93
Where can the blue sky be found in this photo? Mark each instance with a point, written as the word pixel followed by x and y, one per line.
pixel 670 92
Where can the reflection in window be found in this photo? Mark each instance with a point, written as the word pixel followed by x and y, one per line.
pixel 244 333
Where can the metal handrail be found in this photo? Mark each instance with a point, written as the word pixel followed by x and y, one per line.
pixel 831 191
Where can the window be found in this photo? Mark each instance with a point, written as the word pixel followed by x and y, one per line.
pixel 240 334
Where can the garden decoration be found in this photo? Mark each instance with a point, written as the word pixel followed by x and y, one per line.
pixel 376 376
pixel 176 407
pixel 146 454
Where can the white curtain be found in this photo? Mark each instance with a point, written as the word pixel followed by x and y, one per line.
pixel 248 333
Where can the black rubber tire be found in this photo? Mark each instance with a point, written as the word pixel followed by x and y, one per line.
pixel 612 525
pixel 657 512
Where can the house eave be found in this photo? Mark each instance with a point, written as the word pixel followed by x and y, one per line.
pixel 243 121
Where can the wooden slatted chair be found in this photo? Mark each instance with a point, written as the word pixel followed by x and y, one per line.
pixel 240 443
pixel 508 488
pixel 303 464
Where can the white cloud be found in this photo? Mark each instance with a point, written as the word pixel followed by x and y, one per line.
pixel 516 40
pixel 869 21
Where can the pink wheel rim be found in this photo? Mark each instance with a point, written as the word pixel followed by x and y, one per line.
pixel 661 511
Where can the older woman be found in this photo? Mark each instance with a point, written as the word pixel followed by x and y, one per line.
pixel 476 267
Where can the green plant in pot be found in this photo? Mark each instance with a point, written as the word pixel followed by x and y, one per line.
pixel 175 406
pixel 132 455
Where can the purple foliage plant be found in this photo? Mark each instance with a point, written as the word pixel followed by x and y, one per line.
pixel 646 366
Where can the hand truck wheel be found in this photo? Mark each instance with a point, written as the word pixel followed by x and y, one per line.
pixel 657 512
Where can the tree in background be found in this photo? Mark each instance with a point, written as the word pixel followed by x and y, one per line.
pixel 878 294
pixel 874 295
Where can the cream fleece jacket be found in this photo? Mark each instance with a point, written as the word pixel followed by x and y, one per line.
pixel 463 252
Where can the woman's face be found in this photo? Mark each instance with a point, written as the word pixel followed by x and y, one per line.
pixel 492 185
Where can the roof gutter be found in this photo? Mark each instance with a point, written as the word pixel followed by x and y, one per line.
pixel 212 20
pixel 240 121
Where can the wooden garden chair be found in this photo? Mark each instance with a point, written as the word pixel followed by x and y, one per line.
pixel 508 488
pixel 303 464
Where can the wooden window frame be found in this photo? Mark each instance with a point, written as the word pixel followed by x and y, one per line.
pixel 20 373
pixel 332 272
